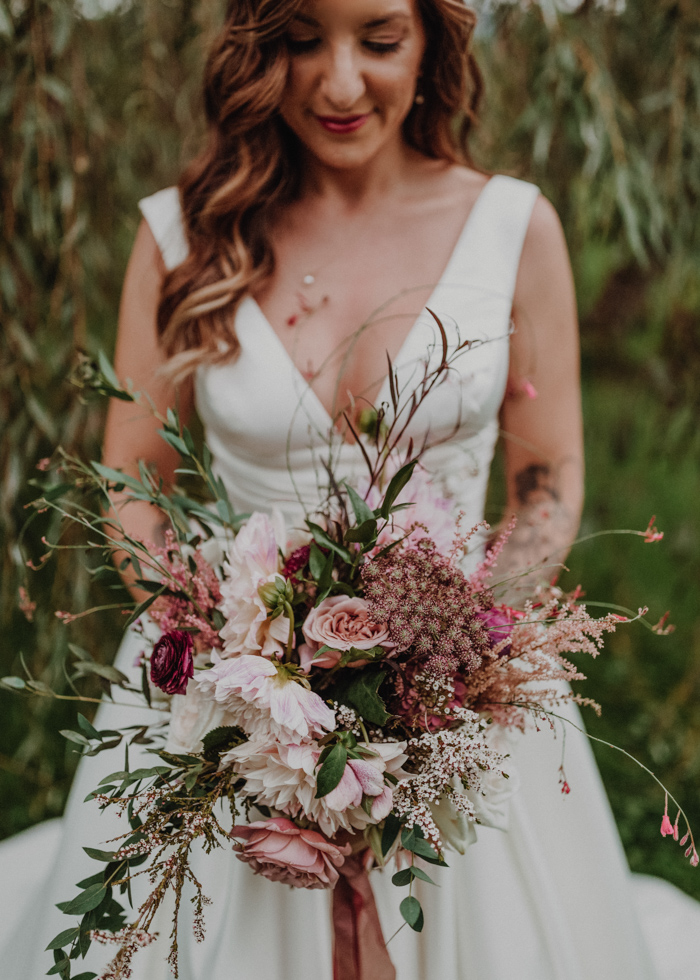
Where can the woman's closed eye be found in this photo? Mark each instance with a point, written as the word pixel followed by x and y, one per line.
pixel 305 45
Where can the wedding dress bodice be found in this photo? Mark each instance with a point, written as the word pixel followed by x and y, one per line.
pixel 267 429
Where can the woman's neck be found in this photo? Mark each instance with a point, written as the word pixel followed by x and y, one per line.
pixel 352 189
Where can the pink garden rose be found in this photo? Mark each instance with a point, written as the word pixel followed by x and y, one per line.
pixel 279 850
pixel 340 622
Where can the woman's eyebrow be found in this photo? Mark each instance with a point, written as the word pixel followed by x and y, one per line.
pixel 378 22
pixel 306 20
pixel 381 21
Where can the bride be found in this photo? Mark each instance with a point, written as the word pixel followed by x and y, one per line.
pixel 336 190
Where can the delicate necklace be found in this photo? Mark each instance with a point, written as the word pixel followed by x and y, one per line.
pixel 305 307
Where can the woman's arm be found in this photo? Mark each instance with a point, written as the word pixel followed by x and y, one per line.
pixel 541 414
pixel 131 432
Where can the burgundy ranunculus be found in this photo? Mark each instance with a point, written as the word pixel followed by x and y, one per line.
pixel 172 663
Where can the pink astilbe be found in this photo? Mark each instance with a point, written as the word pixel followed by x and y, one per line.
pixel 130 940
pixel 533 671
pixel 426 603
pixel 200 584
pixel 485 569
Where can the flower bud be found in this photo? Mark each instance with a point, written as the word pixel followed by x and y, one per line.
pixel 275 594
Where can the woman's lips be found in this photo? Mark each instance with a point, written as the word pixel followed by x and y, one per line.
pixel 343 124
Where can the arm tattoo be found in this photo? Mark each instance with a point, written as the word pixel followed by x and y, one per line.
pixel 542 536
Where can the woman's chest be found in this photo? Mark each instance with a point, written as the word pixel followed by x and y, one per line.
pixel 342 299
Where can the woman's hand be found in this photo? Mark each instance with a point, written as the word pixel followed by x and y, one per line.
pixel 541 413
pixel 131 432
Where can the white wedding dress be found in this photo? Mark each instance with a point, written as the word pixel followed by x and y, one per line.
pixel 551 898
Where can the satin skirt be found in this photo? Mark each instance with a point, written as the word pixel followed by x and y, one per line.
pixel 551 898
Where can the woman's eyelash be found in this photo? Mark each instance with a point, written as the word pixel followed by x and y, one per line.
pixel 299 47
pixel 310 44
pixel 382 47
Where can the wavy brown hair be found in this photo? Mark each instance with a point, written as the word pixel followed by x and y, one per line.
pixel 249 168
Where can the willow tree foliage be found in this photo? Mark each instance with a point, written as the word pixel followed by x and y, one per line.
pixel 600 108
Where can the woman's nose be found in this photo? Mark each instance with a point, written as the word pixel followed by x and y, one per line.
pixel 342 84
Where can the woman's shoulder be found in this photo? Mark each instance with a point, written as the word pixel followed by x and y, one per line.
pixel 163 214
pixel 468 182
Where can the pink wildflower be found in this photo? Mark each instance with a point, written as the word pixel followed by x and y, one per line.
pixel 26 605
pixel 652 533
pixel 666 825
pixel 565 788
pixel 663 627
pixel 201 584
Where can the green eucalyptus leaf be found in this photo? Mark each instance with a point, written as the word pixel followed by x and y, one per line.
pixel 403 877
pixel 97 855
pixel 331 772
pixel 86 901
pixel 64 938
pixel 412 913
pixel 390 831
pixel 414 841
pixel 13 683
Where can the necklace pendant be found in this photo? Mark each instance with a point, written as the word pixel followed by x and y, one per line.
pixel 309 279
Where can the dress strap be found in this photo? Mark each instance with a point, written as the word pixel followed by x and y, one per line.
pixel 163 213
pixel 493 240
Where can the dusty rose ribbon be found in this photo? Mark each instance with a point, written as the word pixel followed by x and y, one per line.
pixel 359 951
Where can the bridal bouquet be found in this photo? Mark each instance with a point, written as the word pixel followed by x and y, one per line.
pixel 343 689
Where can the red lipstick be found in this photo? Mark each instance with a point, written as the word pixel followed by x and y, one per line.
pixel 343 124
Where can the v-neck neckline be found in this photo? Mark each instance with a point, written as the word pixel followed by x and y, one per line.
pixel 383 392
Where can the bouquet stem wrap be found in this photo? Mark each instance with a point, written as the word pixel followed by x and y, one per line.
pixel 359 950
